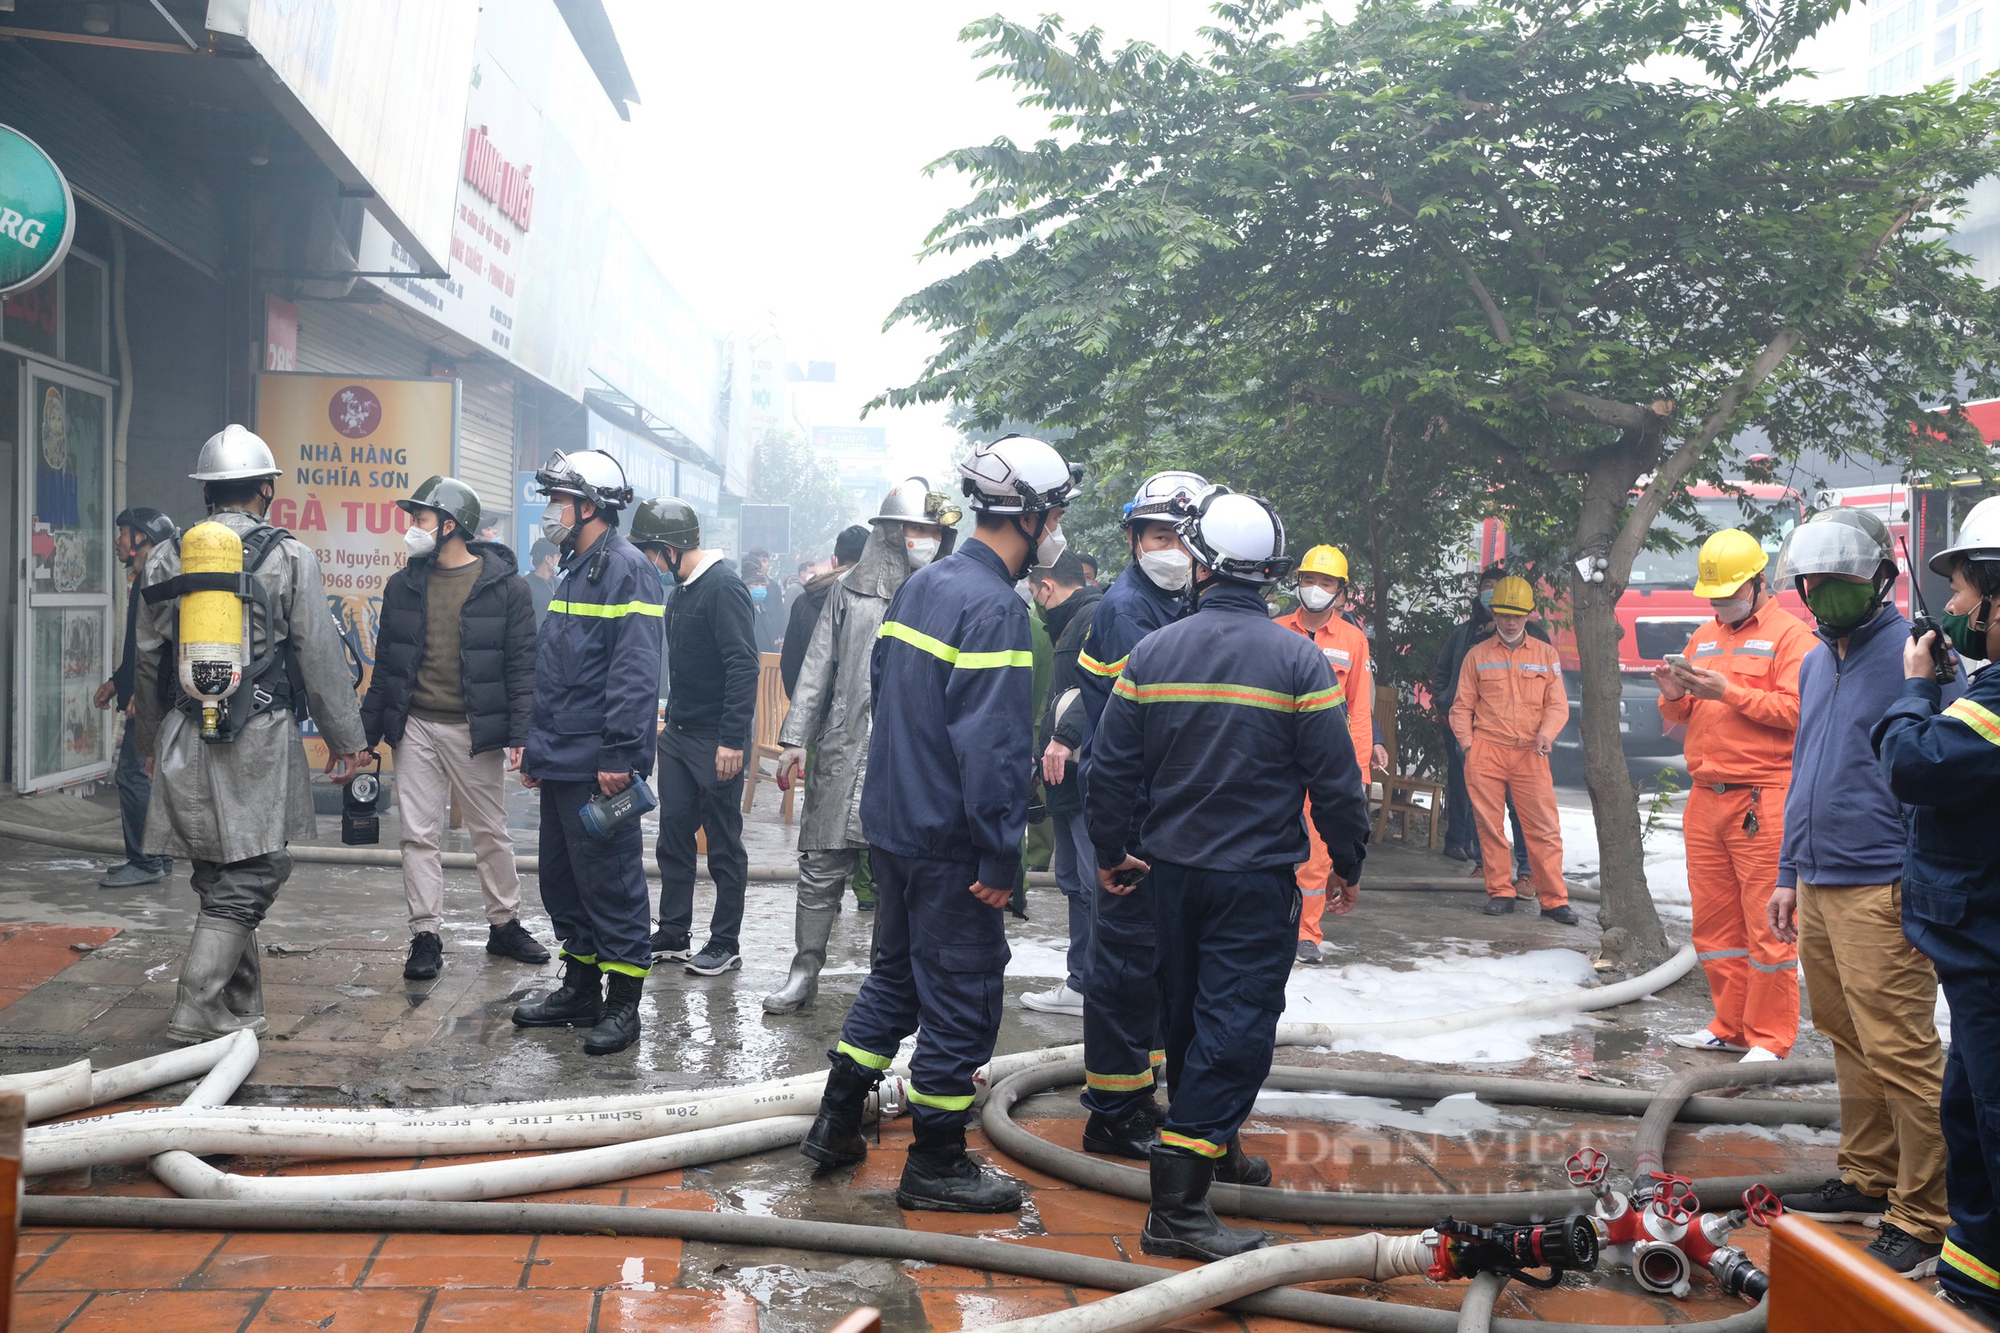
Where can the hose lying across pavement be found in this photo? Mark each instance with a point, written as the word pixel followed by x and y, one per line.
pixel 998 1256
pixel 728 1122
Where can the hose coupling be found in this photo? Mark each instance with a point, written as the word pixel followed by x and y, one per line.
pixel 1661 1267
pixel 1736 1274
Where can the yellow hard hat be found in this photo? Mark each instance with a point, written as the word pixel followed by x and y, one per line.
pixel 1513 596
pixel 1728 560
pixel 1324 560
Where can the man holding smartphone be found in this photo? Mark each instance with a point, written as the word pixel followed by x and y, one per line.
pixel 1736 692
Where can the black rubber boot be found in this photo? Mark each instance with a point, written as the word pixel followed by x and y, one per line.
pixel 835 1137
pixel 619 1026
pixel 1239 1168
pixel 578 1002
pixel 1180 1224
pixel 1130 1135
pixel 942 1177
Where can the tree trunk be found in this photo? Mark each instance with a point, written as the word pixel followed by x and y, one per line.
pixel 1627 903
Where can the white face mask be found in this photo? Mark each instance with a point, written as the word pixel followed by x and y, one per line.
pixel 1168 570
pixel 1051 547
pixel 553 526
pixel 419 541
pixel 1512 640
pixel 921 550
pixel 1315 598
pixel 1734 609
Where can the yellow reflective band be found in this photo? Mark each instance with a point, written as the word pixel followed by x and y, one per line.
pixel 1157 1058
pixel 944 652
pixel 1982 720
pixel 940 1103
pixel 866 1059
pixel 1173 1140
pixel 1982 1273
pixel 629 969
pixel 1097 668
pixel 587 959
pixel 1248 696
pixel 1118 1082
pixel 607 610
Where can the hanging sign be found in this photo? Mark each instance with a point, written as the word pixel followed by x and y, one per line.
pixel 37 213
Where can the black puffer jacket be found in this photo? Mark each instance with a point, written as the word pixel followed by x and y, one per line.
pixel 496 652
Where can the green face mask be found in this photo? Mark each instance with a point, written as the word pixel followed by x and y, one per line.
pixel 1841 606
pixel 1958 632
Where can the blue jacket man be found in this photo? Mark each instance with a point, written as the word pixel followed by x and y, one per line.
pixel 1840 871
pixel 597 675
pixel 1943 761
pixel 1122 1038
pixel 943 807
pixel 1227 722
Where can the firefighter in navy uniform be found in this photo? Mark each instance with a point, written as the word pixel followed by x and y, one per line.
pixel 1121 1018
pixel 597 685
pixel 943 807
pixel 1226 722
pixel 1944 764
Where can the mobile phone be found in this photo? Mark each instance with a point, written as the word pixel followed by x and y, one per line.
pixel 1128 877
pixel 1677 660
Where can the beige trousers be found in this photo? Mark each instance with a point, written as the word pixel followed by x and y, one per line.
pixel 1875 998
pixel 433 764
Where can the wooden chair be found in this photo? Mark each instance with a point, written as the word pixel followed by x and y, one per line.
pixel 1401 790
pixel 772 702
pixel 1823 1284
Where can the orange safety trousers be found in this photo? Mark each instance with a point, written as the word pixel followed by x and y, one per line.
pixel 1491 772
pixel 1752 977
pixel 1315 872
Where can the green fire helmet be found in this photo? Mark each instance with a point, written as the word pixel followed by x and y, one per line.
pixel 450 497
pixel 666 520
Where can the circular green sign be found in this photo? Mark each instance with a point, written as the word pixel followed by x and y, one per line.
pixel 37 213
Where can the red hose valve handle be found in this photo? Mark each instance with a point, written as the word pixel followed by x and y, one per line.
pixel 1674 1201
pixel 1587 1167
pixel 1762 1205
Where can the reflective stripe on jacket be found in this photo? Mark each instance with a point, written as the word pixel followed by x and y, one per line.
pixel 1509 696
pixel 1346 651
pixel 1131 608
pixel 952 685
pixel 1227 722
pixel 597 668
pixel 1746 735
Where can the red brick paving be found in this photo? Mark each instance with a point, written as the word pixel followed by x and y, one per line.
pixel 359 1283
pixel 35 952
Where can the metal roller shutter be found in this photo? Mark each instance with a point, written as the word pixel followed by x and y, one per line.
pixel 338 339
pixel 486 434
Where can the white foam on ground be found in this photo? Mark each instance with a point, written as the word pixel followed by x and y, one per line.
pixel 1805 1134
pixel 1459 1114
pixel 1666 860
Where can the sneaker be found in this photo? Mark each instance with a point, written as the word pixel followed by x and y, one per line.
pixel 1903 1253
pixel 713 961
pixel 426 957
pixel 1986 1316
pixel 1757 1055
pixel 1457 854
pixel 1499 907
pixel 130 876
pixel 512 940
pixel 1308 952
pixel 1061 1000
pixel 1836 1201
pixel 1705 1040
pixel 666 944
pixel 1564 915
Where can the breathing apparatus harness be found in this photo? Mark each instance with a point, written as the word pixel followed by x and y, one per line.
pixel 272 679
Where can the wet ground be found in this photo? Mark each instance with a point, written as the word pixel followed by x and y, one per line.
pixel 348 1030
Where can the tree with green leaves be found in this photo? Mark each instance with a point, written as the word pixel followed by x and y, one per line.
pixel 1560 253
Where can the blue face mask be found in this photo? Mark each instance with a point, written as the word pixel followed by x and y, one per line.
pixel 758 592
pixel 1486 598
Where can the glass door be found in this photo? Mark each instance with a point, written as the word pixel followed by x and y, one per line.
pixel 72 602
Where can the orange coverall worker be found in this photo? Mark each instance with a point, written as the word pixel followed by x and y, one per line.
pixel 1739 756
pixel 1508 698
pixel 1346 650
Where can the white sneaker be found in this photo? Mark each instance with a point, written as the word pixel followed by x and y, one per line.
pixel 1705 1040
pixel 1061 1000
pixel 1757 1055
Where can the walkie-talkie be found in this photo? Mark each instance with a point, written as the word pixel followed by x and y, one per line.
pixel 1922 624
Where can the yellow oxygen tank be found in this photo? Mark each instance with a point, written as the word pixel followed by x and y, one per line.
pixel 211 623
